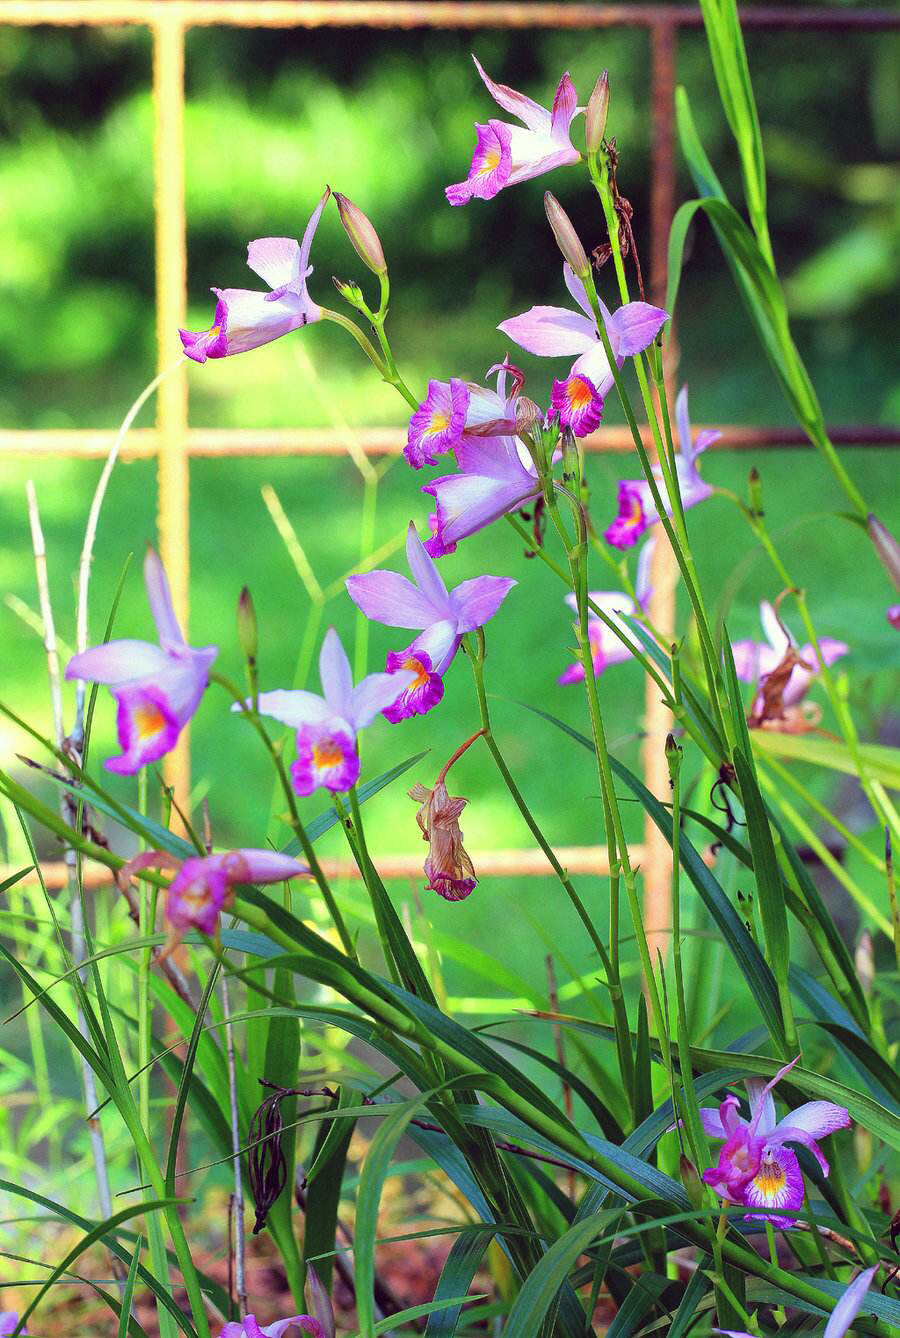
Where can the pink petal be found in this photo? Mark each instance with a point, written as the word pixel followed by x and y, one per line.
pixel 294 708
pixel 634 327
pixel 252 319
pixel 551 332
pixel 276 260
pixel 476 601
pixel 850 1304
pixel 261 866
pixel 335 675
pixel 159 597
pixel 817 1118
pixel 578 291
pixel 530 113
pixel 426 576
pixel 119 662
pixel 565 105
pixel 387 597
pixel 374 693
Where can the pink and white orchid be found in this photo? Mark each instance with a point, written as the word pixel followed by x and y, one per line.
pixel 327 725
pixel 158 688
pixel 754 661
pixel 425 602
pixel 245 318
pixel 558 332
pixel 507 154
pixel 203 884
pixel 843 1314
pixel 456 408
pixel 606 647
pixel 637 510
pixel 755 1168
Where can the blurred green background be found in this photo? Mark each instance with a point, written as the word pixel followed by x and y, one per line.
pixel 387 118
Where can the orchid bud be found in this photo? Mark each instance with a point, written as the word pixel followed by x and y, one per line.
pixel 246 626
pixel 864 960
pixel 886 547
pixel 319 1302
pixel 596 113
pixel 691 1180
pixel 673 759
pixel 349 291
pixel 755 491
pixel 362 235
pixel 566 237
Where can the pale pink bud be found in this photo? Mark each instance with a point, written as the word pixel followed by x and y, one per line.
pixel 362 234
pixel 596 113
pixel 566 237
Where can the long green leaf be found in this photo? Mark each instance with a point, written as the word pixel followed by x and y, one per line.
pixel 541 1287
pixel 456 1277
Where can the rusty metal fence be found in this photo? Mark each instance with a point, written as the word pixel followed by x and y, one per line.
pixel 173 442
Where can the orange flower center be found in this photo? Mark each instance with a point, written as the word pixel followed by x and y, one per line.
pixel 770 1180
pixel 149 720
pixel 439 421
pixel 327 754
pixel 579 393
pixel 491 162
pixel 418 669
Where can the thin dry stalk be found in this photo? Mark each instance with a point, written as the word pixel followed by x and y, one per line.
pixel 236 1244
pixel 68 810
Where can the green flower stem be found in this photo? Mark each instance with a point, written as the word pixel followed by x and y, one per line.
pixel 386 364
pixel 475 649
pixel 146 925
pixel 296 823
pixel 338 318
pixel 615 832
pixel 710 658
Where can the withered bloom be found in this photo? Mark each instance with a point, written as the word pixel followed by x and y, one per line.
pixel 447 867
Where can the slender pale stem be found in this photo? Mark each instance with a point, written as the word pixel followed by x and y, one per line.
pixel 237 1243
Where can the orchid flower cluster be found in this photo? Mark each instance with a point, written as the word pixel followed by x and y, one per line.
pixel 498 454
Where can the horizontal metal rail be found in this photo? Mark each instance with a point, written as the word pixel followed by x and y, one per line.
pixel 426 14
pixel 227 443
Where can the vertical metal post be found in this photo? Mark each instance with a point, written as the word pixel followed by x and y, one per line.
pixel 171 289
pixel 657 719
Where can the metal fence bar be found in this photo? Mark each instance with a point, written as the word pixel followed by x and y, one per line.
pixel 171 306
pixel 251 443
pixel 432 14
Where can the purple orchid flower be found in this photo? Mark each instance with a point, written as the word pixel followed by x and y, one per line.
pixel 203 883
pixel 755 1168
pixel 158 688
pixel 755 660
pixel 606 647
pixel 578 404
pixel 444 615
pixel 327 726
pixel 507 154
pixel 8 1321
pixel 637 509
pixel 496 472
pixel 249 1327
pixel 843 1314
pixel 556 332
pixel 453 409
pixel 245 318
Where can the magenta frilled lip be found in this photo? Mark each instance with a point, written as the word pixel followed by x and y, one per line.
pixel 438 423
pixel 755 1168
pixel 577 404
pixel 249 1327
pixel 445 884
pixel 326 757
pixel 506 154
pixel 157 687
pixel 245 318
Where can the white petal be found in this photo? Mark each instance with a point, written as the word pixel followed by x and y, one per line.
pixel 336 676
